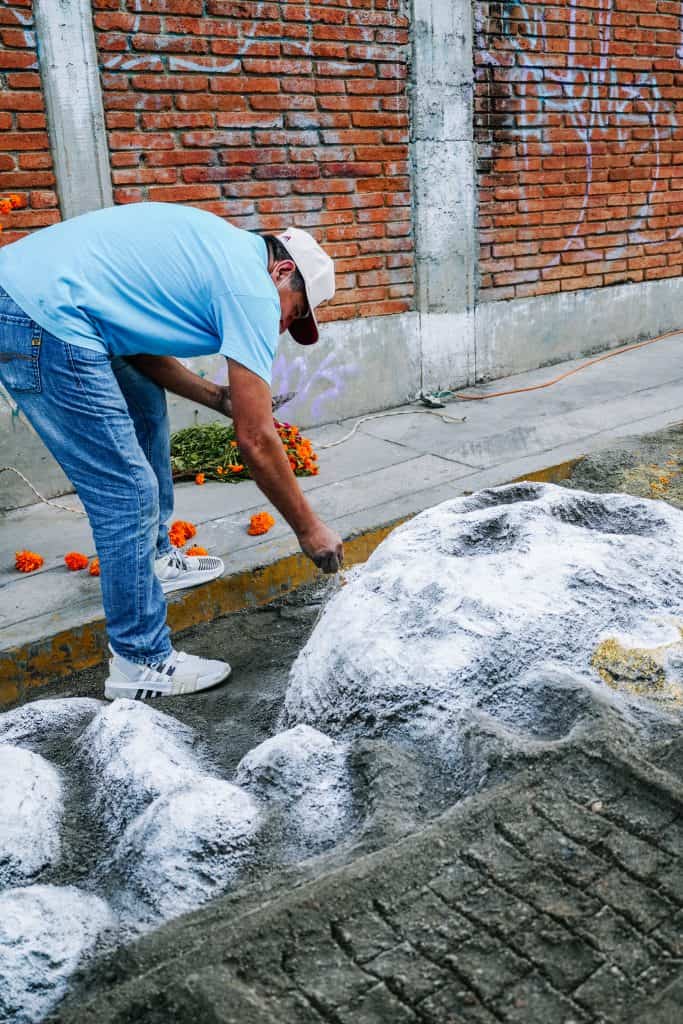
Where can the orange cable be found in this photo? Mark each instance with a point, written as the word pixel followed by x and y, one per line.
pixel 569 373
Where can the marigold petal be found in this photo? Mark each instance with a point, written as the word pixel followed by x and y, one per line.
pixel 75 561
pixel 196 550
pixel 94 568
pixel 260 523
pixel 28 561
pixel 180 532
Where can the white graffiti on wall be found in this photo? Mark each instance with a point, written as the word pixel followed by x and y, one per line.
pixel 592 97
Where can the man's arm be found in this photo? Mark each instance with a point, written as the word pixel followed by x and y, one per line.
pixel 264 453
pixel 172 375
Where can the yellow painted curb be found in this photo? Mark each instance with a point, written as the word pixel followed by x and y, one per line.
pixel 32 665
pixel 551 475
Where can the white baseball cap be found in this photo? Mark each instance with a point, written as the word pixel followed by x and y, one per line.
pixel 317 270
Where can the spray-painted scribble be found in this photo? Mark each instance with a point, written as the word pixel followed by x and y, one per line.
pixel 589 101
pixel 315 388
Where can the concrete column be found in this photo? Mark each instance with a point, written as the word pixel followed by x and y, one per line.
pixel 444 188
pixel 71 83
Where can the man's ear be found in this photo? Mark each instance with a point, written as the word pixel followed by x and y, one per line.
pixel 282 270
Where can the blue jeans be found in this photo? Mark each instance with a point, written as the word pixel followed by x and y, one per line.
pixel 107 426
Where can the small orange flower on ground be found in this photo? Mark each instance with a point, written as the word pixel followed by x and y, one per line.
pixel 5 206
pixel 260 523
pixel 181 531
pixel 197 550
pixel 27 561
pixel 75 561
pixel 17 202
pixel 220 470
pixel 94 568
pixel 200 479
pixel 237 468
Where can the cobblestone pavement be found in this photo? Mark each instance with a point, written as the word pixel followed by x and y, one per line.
pixel 554 899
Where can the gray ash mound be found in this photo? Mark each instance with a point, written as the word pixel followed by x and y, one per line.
pixel 508 602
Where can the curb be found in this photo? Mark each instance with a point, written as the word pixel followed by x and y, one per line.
pixel 27 667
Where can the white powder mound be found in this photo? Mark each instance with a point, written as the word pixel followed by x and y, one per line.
pixel 44 719
pixel 135 754
pixel 44 933
pixel 472 595
pixel 31 806
pixel 306 772
pixel 185 848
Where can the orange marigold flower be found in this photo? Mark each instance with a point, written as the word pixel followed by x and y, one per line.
pixel 220 470
pixel 200 479
pixel 181 531
pixel 197 550
pixel 94 568
pixel 260 523
pixel 27 561
pixel 237 468
pixel 75 561
pixel 5 206
pixel 233 444
pixel 17 202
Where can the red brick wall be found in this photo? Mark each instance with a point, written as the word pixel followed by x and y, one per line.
pixel 268 114
pixel 578 117
pixel 25 161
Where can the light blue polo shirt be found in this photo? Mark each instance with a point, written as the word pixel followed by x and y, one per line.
pixel 149 277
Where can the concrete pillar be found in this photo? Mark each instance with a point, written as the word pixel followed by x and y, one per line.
pixel 443 161
pixel 71 82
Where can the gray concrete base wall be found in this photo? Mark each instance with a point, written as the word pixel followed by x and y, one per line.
pixel 512 337
pixel 363 366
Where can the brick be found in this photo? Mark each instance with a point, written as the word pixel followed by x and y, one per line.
pixel 15 59
pixel 23 140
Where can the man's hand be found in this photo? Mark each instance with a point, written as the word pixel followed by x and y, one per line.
pixel 324 547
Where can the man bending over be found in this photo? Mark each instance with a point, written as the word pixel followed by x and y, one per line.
pixel 93 312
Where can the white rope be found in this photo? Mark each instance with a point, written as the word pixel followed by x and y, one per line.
pixel 398 412
pixel 47 501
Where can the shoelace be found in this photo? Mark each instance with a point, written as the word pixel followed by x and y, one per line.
pixel 177 560
pixel 168 667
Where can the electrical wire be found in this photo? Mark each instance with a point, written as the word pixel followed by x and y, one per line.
pixel 394 412
pixel 569 373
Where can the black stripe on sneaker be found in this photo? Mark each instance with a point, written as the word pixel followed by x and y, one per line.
pixel 138 695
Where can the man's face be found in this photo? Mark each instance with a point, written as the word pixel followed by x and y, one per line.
pixel 293 305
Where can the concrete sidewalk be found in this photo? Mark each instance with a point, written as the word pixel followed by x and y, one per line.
pixel 51 622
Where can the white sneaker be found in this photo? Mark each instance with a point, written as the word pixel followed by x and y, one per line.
pixel 177 571
pixel 180 673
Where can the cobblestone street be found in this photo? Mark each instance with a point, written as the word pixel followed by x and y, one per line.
pixel 557 899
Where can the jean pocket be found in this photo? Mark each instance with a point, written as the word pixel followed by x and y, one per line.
pixel 20 344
